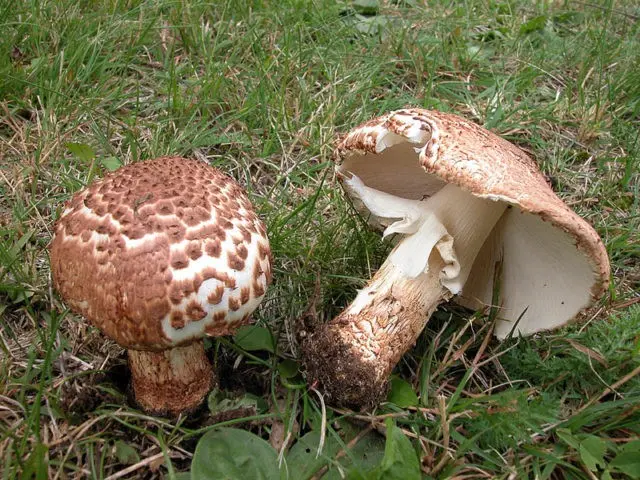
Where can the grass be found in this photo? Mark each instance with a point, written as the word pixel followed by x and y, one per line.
pixel 262 90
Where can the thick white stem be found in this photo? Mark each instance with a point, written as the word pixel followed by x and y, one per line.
pixel 469 220
pixel 354 354
pixel 453 221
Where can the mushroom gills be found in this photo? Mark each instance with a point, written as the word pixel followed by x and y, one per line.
pixel 453 222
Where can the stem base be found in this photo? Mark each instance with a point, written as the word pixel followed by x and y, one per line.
pixel 173 381
pixel 336 366
pixel 351 357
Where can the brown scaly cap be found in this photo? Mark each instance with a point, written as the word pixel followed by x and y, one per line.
pixel 160 253
pixel 457 151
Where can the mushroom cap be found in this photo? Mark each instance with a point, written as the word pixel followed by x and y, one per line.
pixel 553 263
pixel 161 253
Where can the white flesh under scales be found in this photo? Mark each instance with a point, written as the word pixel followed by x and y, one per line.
pixel 454 222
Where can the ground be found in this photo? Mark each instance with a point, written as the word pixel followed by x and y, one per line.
pixel 263 90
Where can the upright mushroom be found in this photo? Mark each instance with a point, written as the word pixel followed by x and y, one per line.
pixel 465 205
pixel 158 255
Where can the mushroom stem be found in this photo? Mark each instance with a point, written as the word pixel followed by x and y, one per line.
pixel 172 381
pixel 353 355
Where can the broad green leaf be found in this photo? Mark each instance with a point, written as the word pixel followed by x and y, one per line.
pixel 592 451
pixel 591 461
pixel 37 62
pixel 303 459
pixel 632 447
pixel 36 467
pixel 535 24
pixel 220 401
pixel 111 163
pixel 354 463
pixel 591 448
pixel 366 7
pixel 567 437
pixel 234 454
pixel 628 461
pixel 288 368
pixel 402 394
pixel 568 17
pixel 360 458
pixel 371 25
pixel 254 337
pixel 19 245
pixel 125 453
pixel 400 460
pixel 82 151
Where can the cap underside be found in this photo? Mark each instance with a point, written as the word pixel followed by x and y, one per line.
pixel 545 280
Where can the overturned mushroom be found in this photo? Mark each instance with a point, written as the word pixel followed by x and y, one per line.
pixel 158 255
pixel 465 206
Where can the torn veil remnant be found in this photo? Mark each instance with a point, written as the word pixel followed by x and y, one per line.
pixel 158 255
pixel 446 187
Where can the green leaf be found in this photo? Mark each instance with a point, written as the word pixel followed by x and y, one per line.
pixel 402 393
pixel 231 453
pixel 591 461
pixel 357 461
pixel 568 17
pixel 288 368
pixel 535 24
pixel 567 437
pixel 628 460
pixel 400 460
pixel 111 163
pixel 371 25
pixel 125 453
pixel 81 151
pixel 303 460
pixel 36 467
pixel 254 337
pixel 220 401
pixel 366 7
pixel 592 450
pixel 632 447
pixel 360 459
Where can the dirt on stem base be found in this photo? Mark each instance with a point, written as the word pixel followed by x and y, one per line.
pixel 172 381
pixel 351 357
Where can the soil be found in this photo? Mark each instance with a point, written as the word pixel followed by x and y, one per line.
pixel 335 369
